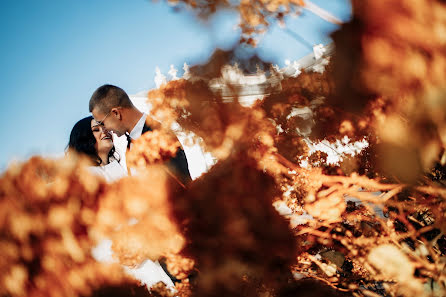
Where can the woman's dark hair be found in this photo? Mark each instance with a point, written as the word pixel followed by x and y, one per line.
pixel 82 141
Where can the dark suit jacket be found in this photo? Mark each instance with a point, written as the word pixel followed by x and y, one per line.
pixel 178 164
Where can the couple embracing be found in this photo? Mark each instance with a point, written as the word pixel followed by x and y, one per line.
pixel 114 116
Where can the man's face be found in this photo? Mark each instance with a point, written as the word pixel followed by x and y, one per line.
pixel 111 121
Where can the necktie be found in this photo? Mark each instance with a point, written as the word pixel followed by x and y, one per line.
pixel 129 140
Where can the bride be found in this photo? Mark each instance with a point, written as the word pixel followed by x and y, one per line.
pixel 91 139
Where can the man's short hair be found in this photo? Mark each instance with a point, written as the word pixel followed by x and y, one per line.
pixel 107 97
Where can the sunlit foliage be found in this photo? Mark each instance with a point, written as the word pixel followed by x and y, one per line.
pixel 262 222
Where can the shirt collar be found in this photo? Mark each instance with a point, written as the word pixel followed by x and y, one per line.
pixel 137 130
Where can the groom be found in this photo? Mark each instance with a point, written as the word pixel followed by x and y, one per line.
pixel 112 108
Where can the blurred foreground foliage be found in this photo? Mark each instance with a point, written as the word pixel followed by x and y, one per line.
pixel 260 223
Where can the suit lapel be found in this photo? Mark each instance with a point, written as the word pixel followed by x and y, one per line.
pixel 146 128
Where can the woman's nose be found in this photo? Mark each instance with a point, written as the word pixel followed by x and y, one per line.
pixel 104 130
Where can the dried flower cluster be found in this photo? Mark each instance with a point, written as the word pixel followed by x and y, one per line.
pixel 255 16
pixel 386 234
pixel 144 202
pixel 153 147
pixel 222 126
pixel 260 223
pixel 390 61
pixel 235 234
pixel 136 214
pixel 47 208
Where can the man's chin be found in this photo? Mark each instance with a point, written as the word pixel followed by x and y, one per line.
pixel 118 133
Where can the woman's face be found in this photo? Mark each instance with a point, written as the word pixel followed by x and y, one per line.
pixel 104 141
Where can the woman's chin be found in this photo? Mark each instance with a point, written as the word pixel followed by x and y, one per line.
pixel 107 142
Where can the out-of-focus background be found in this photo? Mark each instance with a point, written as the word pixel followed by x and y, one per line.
pixel 54 54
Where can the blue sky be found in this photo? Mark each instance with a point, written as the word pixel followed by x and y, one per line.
pixel 54 54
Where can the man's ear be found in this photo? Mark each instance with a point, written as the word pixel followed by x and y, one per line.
pixel 116 112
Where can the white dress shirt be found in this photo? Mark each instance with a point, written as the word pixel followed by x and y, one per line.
pixel 135 134
pixel 137 130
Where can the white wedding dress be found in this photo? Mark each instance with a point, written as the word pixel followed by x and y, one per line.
pixel 115 169
pixel 148 272
pixel 111 172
